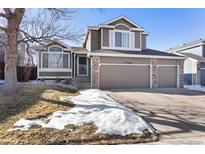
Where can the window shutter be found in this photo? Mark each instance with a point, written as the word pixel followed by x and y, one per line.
pixel 132 40
pixel 111 38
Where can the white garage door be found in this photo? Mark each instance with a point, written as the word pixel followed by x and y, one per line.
pixel 124 76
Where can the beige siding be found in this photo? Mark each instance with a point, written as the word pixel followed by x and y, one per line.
pixel 137 39
pixel 123 60
pixel 167 62
pixel 122 21
pixel 112 77
pixel 95 40
pixel 105 37
pixel 167 76
pixel 144 42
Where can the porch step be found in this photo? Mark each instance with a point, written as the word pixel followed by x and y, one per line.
pixel 83 83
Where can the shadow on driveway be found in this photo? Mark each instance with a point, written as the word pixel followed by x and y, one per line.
pixel 175 113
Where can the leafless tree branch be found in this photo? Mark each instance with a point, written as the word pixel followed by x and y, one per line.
pixel 3 15
pixel 2 28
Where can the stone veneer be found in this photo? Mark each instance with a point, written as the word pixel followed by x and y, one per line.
pixel 181 73
pixel 154 73
pixel 95 61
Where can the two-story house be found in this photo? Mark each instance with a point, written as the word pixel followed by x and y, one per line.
pixel 194 65
pixel 114 55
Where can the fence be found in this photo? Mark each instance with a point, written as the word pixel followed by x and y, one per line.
pixel 23 73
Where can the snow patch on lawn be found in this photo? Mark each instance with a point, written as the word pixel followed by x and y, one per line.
pixel 195 87
pixel 93 107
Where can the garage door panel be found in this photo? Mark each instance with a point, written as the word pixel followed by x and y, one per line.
pixel 167 76
pixel 123 76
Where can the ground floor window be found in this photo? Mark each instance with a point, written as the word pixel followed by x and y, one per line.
pixel 55 60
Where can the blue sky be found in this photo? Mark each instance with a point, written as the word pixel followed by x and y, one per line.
pixel 167 27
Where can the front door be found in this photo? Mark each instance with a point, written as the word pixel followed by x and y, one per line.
pixel 82 68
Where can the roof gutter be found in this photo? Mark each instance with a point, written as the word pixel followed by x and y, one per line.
pixel 133 56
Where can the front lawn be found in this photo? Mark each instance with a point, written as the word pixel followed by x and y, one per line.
pixel 38 102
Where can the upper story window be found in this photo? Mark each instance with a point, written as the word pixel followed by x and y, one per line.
pixel 122 39
pixel 55 49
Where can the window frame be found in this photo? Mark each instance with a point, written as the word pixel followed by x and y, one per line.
pixel 57 46
pixel 56 69
pixel 82 75
pixel 129 38
pixel 112 40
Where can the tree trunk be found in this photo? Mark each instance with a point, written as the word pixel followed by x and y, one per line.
pixel 10 58
pixel 14 19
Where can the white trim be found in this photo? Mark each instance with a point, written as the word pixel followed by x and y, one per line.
pixel 118 48
pixel 105 26
pixel 57 46
pixel 177 72
pixel 167 65
pixel 59 42
pixel 56 77
pixel 183 48
pixel 71 63
pixel 55 70
pixel 202 68
pixel 140 40
pixel 122 25
pixel 125 18
pixel 112 41
pixel 66 53
pixel 136 29
pixel 81 52
pixel 101 31
pixel 145 33
pixel 74 64
pixel 82 75
pixel 117 64
pixel 150 76
pixel 132 55
pixel 178 76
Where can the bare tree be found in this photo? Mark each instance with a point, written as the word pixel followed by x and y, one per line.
pixel 35 26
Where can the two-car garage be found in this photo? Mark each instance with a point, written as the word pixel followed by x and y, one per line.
pixel 123 73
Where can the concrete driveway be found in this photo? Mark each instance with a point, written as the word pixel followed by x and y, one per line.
pixel 178 114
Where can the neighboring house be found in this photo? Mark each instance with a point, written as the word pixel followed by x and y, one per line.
pixel 194 65
pixel 114 55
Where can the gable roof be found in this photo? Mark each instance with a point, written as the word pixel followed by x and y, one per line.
pixel 125 18
pixel 106 25
pixel 193 56
pixel 58 42
pixel 187 45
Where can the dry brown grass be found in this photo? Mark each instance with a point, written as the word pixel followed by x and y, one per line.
pixel 34 102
